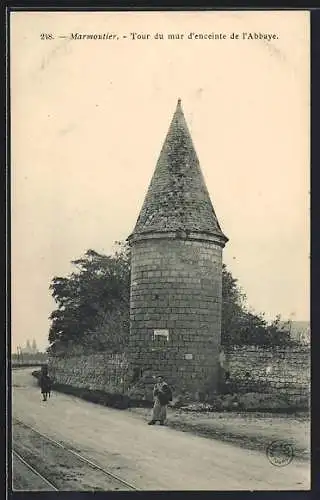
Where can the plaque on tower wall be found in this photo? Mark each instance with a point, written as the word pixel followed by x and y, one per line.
pixel 161 333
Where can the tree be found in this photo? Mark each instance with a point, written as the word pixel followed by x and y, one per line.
pixel 93 301
pixel 240 326
pixel 233 308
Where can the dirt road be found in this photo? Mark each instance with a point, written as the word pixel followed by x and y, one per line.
pixel 149 457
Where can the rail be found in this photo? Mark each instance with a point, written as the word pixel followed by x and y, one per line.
pixel 80 457
pixel 36 472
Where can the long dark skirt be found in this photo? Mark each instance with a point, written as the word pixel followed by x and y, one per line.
pixel 45 390
pixel 45 385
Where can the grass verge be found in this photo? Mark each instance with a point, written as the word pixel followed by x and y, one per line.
pixel 254 430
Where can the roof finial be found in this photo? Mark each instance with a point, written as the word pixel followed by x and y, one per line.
pixel 179 101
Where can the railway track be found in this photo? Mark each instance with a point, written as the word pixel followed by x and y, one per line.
pixel 34 471
pixel 115 478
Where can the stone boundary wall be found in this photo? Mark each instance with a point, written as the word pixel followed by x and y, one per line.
pixel 256 369
pixel 101 371
pixel 244 370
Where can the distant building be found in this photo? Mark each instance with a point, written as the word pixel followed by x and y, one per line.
pixel 299 330
pixel 29 348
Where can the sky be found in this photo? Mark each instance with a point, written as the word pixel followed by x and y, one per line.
pixel 88 119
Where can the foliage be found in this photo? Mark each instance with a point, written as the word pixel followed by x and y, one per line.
pixel 93 302
pixel 240 326
pixel 233 301
pixel 93 307
pixel 27 355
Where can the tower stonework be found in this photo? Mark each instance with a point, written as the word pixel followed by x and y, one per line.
pixel 176 271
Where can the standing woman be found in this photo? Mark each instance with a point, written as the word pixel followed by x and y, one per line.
pixel 162 395
pixel 45 383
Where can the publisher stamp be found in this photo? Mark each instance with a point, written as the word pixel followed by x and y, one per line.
pixel 280 453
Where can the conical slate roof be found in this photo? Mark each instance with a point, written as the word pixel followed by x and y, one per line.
pixel 177 198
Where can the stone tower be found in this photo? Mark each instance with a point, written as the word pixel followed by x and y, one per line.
pixel 176 271
pixel 34 346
